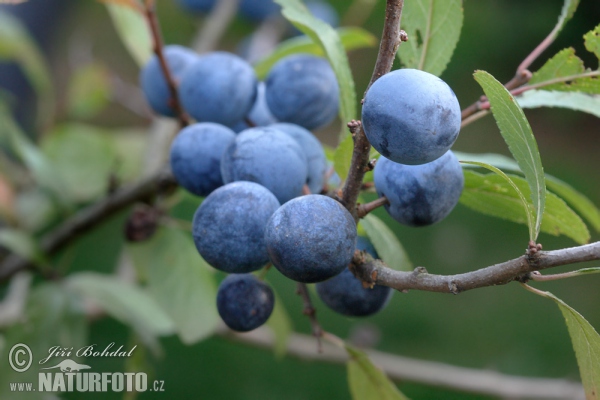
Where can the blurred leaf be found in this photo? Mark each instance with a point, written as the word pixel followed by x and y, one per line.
pixel 131 146
pixel 17 45
pixel 492 195
pixel 517 133
pixel 327 37
pixel 368 382
pixel 388 247
pixel 125 302
pixel 524 201
pixel 351 37
pixel 281 325
pixel 133 30
pixel 52 317
pixel 21 243
pixel 34 209
pixel 83 157
pixel 180 281
pixel 578 201
pixel 586 343
pixel 592 41
pixel 565 64
pixel 38 164
pixel 89 91
pixel 589 103
pixel 575 199
pixel 433 28
pixel 343 157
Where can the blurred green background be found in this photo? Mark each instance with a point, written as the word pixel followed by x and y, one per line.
pixel 503 329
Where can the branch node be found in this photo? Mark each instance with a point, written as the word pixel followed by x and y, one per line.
pixel 453 287
pixel 403 36
pixel 419 270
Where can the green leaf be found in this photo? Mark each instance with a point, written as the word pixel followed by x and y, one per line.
pixel 83 157
pixel 524 201
pixel 517 133
pixel 578 101
pixel 38 164
pixel 52 317
pixel 17 45
pixel 569 8
pixel 567 68
pixel 352 38
pixel 21 243
pixel 586 343
pixel 564 63
pixel 133 31
pixel 492 195
pixel 89 91
pixel 388 247
pixel 575 199
pixel 433 28
pixel 592 41
pixel 180 281
pixel 327 37
pixel 342 159
pixel 125 302
pixel 281 325
pixel 578 201
pixel 368 382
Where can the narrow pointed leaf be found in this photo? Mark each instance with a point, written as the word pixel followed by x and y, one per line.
pixel 433 28
pixel 524 201
pixel 133 31
pixel 492 195
pixel 327 37
pixel 366 381
pixel 388 247
pixel 517 133
pixel 352 38
pixel 586 343
pixel 574 198
pixel 578 101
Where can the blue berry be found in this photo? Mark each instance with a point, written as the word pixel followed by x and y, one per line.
pixel 153 82
pixel 315 155
pixel 218 87
pixel 420 195
pixel 244 303
pixel 269 157
pixel 302 89
pixel 311 238
pixel 411 117
pixel 196 156
pixel 229 226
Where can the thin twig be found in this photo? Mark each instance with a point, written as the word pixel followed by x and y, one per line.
pixel 390 40
pixel 480 108
pixel 538 277
pixel 428 373
pixel 311 313
pixel 91 216
pixel 364 209
pixel 376 272
pixel 149 12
